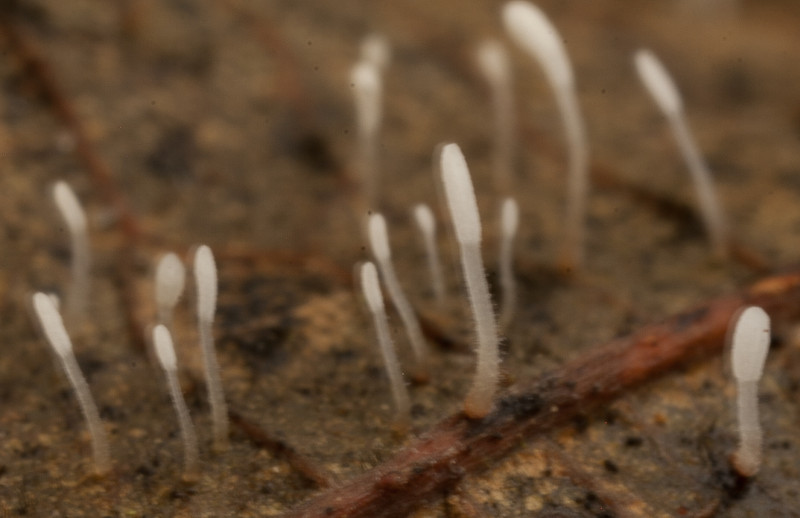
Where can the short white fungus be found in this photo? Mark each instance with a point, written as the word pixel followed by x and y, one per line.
pixel 165 350
pixel 56 334
pixel 372 293
pixel 170 280
pixel 379 243
pixel 750 344
pixel 663 90
pixel 74 217
pixel 205 274
pixel 466 222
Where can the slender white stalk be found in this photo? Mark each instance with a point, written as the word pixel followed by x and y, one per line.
pixel 75 218
pixel 466 222
pixel 509 221
pixel 663 90
pixel 165 350
pixel 368 93
pixel 375 49
pixel 205 275
pixel 379 243
pixel 372 293
pixel 530 28
pixel 747 457
pixel 494 64
pixel 170 280
pixel 750 346
pixel 56 334
pixel 423 216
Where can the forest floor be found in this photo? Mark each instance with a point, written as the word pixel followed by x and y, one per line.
pixel 231 123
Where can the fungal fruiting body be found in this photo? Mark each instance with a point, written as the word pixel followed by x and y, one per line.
pixel 663 90
pixel 493 62
pixel 509 221
pixel 73 215
pixel 379 243
pixel 170 279
pixel 463 207
pixel 165 350
pixel 530 28
pixel 372 293
pixel 53 328
pixel 205 275
pixel 423 216
pixel 375 49
pixel 750 345
pixel 368 92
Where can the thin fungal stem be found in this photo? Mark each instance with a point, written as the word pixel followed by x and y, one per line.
pixel 426 224
pixel 379 242
pixel 466 221
pixel 372 293
pixel 706 194
pixel 166 354
pixel 190 450
pixel 216 397
pixel 662 88
pixel 509 220
pixel 493 62
pixel 479 399
pixel 75 219
pixel 747 458
pixel 533 32
pixel 205 271
pixel 572 252
pixel 100 448
pixel 56 334
pixel 366 80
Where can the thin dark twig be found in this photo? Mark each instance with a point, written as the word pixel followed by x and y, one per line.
pixel 279 448
pixel 43 76
pixel 437 461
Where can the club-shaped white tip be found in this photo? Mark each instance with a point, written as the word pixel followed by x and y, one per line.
pixel 750 344
pixel 165 349
pixel 52 324
pixel 530 28
pixel 375 49
pixel 170 280
pixel 371 287
pixel 493 62
pixel 509 217
pixel 424 218
pixel 658 81
pixel 366 79
pixel 69 207
pixel 205 273
pixel 460 195
pixel 379 238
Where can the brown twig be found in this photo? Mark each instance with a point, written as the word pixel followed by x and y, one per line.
pixel 45 79
pixel 310 470
pixel 437 461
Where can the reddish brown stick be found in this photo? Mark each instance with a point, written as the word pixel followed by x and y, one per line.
pixel 435 463
pixel 45 79
pixel 301 464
